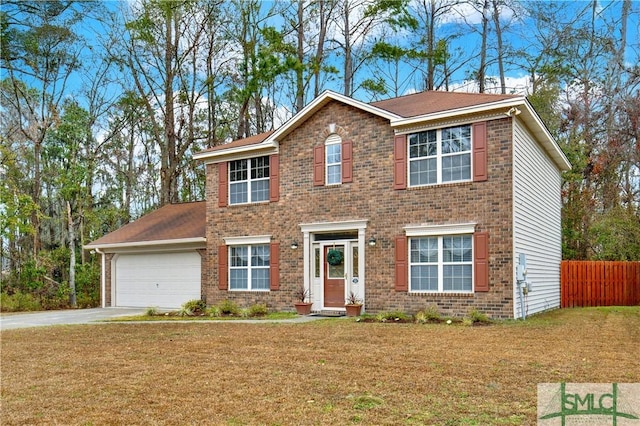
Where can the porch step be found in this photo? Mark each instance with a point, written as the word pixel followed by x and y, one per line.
pixel 330 313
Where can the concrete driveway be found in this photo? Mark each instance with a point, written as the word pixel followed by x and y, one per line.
pixel 74 316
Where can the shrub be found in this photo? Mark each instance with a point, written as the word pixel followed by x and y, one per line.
pixel 185 312
pixel 151 312
pixel 258 310
pixel 214 311
pixel 475 316
pixel 228 307
pixel 195 306
pixel 392 316
pixel 429 314
pixel 19 301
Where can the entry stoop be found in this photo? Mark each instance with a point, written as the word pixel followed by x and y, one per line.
pixel 330 313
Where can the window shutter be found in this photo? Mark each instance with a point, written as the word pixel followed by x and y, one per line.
pixel 400 162
pixel 274 267
pixel 347 161
pixel 480 172
pixel 402 277
pixel 481 261
pixel 318 166
pixel 223 268
pixel 223 185
pixel 274 178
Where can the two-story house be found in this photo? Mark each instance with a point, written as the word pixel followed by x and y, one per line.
pixel 429 198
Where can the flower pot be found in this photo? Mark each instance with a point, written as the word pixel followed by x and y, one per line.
pixel 303 308
pixel 353 310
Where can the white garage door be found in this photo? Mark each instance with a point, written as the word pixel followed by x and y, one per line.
pixel 164 280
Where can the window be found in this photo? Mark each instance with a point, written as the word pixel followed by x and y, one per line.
pixel 441 263
pixel 249 180
pixel 333 152
pixel 439 156
pixel 249 267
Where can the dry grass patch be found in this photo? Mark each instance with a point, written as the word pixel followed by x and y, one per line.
pixel 326 372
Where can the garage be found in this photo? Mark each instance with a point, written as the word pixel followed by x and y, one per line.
pixel 155 261
pixel 163 280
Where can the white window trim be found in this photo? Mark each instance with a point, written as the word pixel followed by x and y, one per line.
pixel 248 181
pixel 439 158
pixel 243 241
pixel 249 267
pixel 332 139
pixel 426 230
pixel 440 266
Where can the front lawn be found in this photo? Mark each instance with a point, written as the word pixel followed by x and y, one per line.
pixel 318 373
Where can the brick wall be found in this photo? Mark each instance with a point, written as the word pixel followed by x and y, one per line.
pixel 371 196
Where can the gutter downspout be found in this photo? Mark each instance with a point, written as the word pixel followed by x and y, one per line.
pixel 103 287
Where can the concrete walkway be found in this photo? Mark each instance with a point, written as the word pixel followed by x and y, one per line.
pixel 94 315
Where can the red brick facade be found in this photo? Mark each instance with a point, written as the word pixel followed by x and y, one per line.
pixel 370 196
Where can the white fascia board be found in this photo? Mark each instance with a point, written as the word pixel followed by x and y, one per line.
pixel 535 123
pixel 265 147
pixel 197 242
pixel 246 240
pixel 432 230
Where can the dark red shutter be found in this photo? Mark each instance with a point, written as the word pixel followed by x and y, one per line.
pixel 480 172
pixel 402 276
pixel 481 260
pixel 400 162
pixel 274 178
pixel 223 184
pixel 347 161
pixel 223 265
pixel 318 166
pixel 274 266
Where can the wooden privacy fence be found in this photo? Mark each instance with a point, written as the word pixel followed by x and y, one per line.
pixel 598 283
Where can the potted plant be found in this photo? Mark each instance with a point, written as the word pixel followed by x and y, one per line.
pixel 353 305
pixel 303 301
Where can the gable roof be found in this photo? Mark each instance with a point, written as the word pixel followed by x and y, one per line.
pixel 402 112
pixel 170 224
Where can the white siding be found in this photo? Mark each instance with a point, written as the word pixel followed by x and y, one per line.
pixel 536 223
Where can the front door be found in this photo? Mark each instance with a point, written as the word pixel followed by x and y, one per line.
pixel 334 276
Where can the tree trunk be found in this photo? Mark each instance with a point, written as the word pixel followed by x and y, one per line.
pixel 72 258
pixel 498 28
pixel 483 50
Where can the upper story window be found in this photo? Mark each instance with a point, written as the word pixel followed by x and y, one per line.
pixel 333 159
pixel 249 180
pixel 440 156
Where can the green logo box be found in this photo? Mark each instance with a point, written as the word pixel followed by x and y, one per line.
pixel 569 404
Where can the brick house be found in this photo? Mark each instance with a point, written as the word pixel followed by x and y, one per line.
pixel 429 198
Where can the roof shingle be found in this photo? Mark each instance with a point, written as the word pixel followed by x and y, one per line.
pixel 171 222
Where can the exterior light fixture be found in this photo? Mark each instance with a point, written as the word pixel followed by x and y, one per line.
pixel 372 242
pixel 294 245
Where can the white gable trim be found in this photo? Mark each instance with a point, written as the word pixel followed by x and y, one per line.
pixel 265 147
pixel 324 98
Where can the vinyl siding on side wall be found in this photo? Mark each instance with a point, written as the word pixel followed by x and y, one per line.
pixel 536 223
